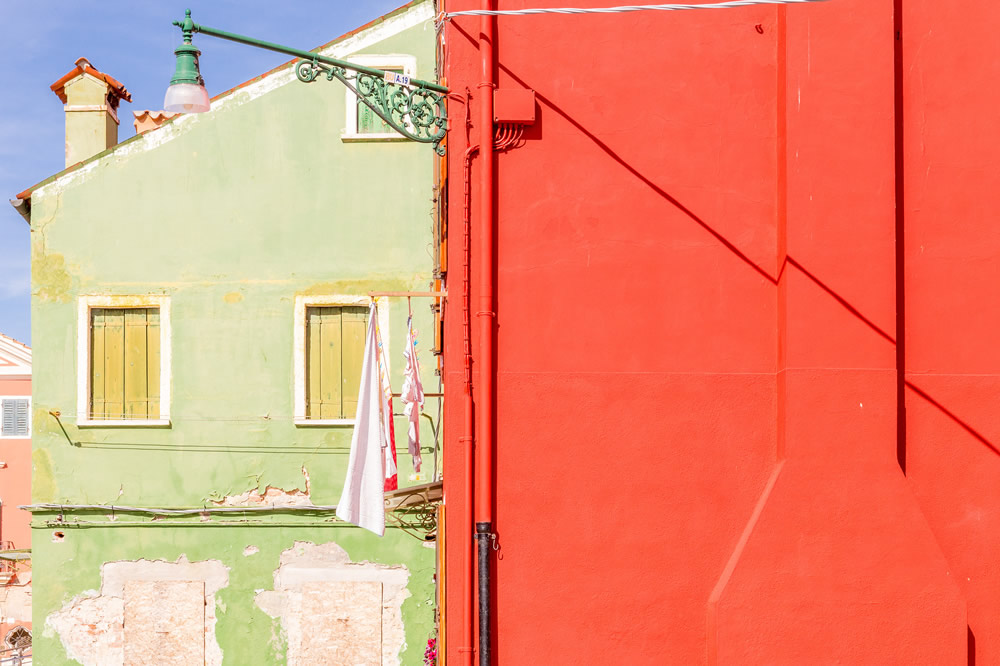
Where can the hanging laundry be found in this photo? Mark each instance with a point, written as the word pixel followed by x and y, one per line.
pixel 389 431
pixel 362 501
pixel 412 394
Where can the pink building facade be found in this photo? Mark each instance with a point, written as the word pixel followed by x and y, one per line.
pixel 15 490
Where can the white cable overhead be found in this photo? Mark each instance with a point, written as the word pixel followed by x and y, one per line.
pixel 730 4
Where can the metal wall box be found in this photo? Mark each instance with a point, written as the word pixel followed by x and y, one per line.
pixel 514 105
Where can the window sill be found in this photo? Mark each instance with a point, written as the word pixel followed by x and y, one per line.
pixel 123 423
pixel 323 422
pixel 363 138
pixel 26 437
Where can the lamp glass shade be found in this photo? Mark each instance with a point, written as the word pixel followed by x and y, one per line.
pixel 186 98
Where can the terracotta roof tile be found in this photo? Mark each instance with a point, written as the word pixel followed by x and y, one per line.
pixel 150 120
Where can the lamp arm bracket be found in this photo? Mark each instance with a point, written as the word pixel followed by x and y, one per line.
pixel 416 109
pixel 417 113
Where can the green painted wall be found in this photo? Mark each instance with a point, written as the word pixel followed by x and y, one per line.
pixel 232 215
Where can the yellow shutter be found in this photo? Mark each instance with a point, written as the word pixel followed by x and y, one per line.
pixel 125 363
pixel 153 361
pixel 313 361
pixel 323 373
pixel 330 363
pixel 335 341
pixel 135 364
pixel 98 409
pixel 352 355
pixel 114 364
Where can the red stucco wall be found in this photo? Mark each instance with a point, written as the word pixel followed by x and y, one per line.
pixel 700 441
pixel 952 242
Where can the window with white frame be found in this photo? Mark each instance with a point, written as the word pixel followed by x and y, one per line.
pixel 15 416
pixel 123 360
pixel 362 122
pixel 329 337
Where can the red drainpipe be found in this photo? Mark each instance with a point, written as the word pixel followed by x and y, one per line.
pixel 484 414
pixel 468 607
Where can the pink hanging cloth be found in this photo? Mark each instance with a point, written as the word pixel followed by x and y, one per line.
pixel 412 394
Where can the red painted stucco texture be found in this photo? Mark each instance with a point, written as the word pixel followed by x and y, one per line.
pixel 747 297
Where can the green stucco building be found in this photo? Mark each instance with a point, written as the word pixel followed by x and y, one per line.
pixel 198 293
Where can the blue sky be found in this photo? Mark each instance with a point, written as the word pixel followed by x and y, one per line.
pixel 133 42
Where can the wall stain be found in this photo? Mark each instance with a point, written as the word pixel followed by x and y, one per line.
pixel 356 287
pixel 233 297
pixel 43 482
pixel 51 279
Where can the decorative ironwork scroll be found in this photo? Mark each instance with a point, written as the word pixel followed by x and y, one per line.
pixel 416 113
pixel 413 514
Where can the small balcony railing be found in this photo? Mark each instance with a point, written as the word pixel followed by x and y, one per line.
pixel 11 560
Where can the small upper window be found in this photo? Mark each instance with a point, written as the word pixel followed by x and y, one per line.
pixel 369 122
pixel 15 417
pixel 362 122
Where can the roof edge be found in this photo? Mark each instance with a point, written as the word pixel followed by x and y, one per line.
pixel 23 208
pixel 15 351
pixel 336 40
pixel 26 194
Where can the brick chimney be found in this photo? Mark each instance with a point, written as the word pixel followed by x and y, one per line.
pixel 90 99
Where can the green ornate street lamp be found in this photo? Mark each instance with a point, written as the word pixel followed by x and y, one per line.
pixel 414 108
pixel 186 93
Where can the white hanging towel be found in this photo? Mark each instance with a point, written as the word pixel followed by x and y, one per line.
pixel 412 394
pixel 362 502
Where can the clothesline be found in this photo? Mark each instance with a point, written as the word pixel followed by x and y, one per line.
pixel 408 294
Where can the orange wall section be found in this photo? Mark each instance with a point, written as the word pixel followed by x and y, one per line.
pixel 700 299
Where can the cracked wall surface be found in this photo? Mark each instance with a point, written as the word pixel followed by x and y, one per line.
pixel 334 611
pixel 15 600
pixel 164 620
pixel 146 612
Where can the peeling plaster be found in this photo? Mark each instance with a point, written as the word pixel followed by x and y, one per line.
pixel 15 601
pixel 271 496
pixel 91 625
pixel 308 572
